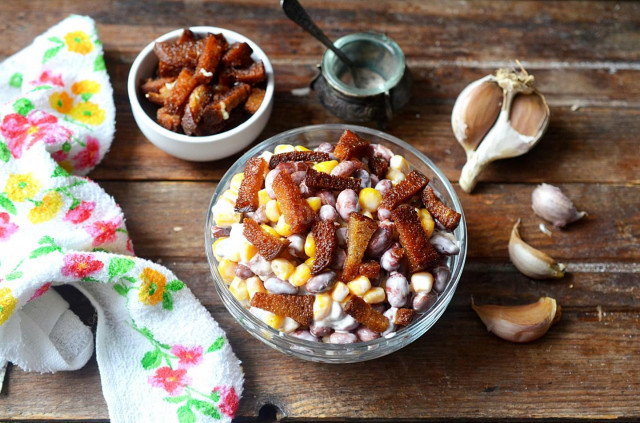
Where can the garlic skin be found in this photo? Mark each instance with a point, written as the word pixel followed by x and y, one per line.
pixel 551 204
pixel 524 323
pixel 530 261
pixel 491 128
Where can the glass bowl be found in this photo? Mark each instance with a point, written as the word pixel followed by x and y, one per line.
pixel 312 136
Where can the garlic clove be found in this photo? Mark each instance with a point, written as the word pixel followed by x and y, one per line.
pixel 530 261
pixel 529 114
pixel 523 323
pixel 551 204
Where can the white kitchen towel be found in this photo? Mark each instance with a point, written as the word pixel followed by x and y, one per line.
pixel 161 355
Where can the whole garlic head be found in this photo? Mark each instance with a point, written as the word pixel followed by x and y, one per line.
pixel 497 117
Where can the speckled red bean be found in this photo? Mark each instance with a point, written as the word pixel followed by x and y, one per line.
pixel 296 245
pixel 319 331
pixel 342 338
pixel 444 243
pixel 321 282
pixel 304 334
pixel 278 286
pixel 422 302
pixel 327 198
pixel 341 237
pixel 260 266
pixel 374 180
pixel 390 314
pixel 328 213
pixel 217 231
pixel 364 176
pixel 382 151
pixel 392 258
pixel 384 214
pixel 298 176
pixel 268 182
pixel 325 147
pixel 305 190
pixel 339 258
pixel 381 239
pixel 347 323
pixel 347 203
pixel 260 215
pixel 365 334
pixel 397 289
pixel 441 276
pixel 384 186
pixel 344 169
pixel 244 272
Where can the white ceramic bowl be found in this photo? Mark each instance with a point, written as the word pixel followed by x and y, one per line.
pixel 210 147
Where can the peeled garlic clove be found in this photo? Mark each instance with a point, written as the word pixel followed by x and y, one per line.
pixel 530 261
pixel 522 120
pixel 524 323
pixel 551 204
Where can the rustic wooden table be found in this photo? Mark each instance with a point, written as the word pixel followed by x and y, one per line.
pixel 586 60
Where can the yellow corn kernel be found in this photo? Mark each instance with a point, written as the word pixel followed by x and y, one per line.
pixel 368 214
pixel 426 221
pixel 266 156
pixel 238 289
pixel 283 228
pixel 395 176
pixel 309 261
pixel 322 306
pixel 230 196
pixel 224 214
pixel 283 148
pixel 370 199
pixel 247 251
pixel 254 284
pixel 374 295
pixel 340 291
pixel 325 167
pixel 301 275
pixel 421 282
pixel 282 268
pixel 216 244
pixel 272 210
pixel 289 325
pixel 315 203
pixel 399 163
pixel 273 320
pixel 270 230
pixel 301 148
pixel 227 269
pixel 263 197
pixel 234 185
pixel 233 254
pixel 310 245
pixel 359 285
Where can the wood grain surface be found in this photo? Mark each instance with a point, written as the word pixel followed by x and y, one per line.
pixel 586 60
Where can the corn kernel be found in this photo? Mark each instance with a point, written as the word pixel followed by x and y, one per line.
pixel 368 214
pixel 422 282
pixel 283 148
pixel 340 291
pixel 254 284
pixel 216 245
pixel 238 289
pixel 325 167
pixel 399 163
pixel 315 203
pixel 272 210
pixel 266 156
pixel 237 179
pixel 374 295
pixel 282 268
pixel 283 228
pixel 231 196
pixel 301 275
pixel 322 306
pixel 309 261
pixel 233 254
pixel 247 251
pixel 224 214
pixel 263 197
pixel 227 269
pixel 289 325
pixel 268 317
pixel 426 221
pixel 370 199
pixel 359 286
pixel 395 176
pixel 310 245
pixel 301 148
pixel 270 230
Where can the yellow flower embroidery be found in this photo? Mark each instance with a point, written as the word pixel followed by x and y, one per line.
pixel 78 42
pixel 61 102
pixel 7 304
pixel 47 209
pixel 88 113
pixel 152 288
pixel 22 186
pixel 85 86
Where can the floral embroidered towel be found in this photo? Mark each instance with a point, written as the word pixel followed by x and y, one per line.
pixel 155 343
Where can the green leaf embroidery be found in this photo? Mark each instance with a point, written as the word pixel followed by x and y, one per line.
pixel 50 53
pixel 120 289
pixel 217 344
pixel 120 266
pixel 89 279
pixel 86 96
pixel 175 285
pixel 23 106
pixel 151 360
pixel 66 147
pixel 5 154
pixel 208 409
pixel 167 301
pixel 41 87
pixel 129 279
pixel 46 240
pixel 14 275
pixel 43 251
pixel 99 250
pixel 176 400
pixel 56 40
pixel 99 65
pixel 185 415
pixel 16 80
pixel 7 204
pixel 59 171
pixel 215 396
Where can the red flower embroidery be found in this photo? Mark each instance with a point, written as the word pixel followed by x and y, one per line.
pixel 103 231
pixel 22 132
pixel 48 77
pixel 229 400
pixel 89 156
pixel 59 155
pixel 188 356
pixel 172 381
pixel 6 228
pixel 130 246
pixel 80 265
pixel 44 288
pixel 81 213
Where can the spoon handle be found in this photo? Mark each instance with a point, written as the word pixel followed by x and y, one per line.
pixel 294 11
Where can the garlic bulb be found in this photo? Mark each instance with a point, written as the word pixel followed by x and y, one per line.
pixel 497 117
pixel 524 323
pixel 531 262
pixel 551 204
